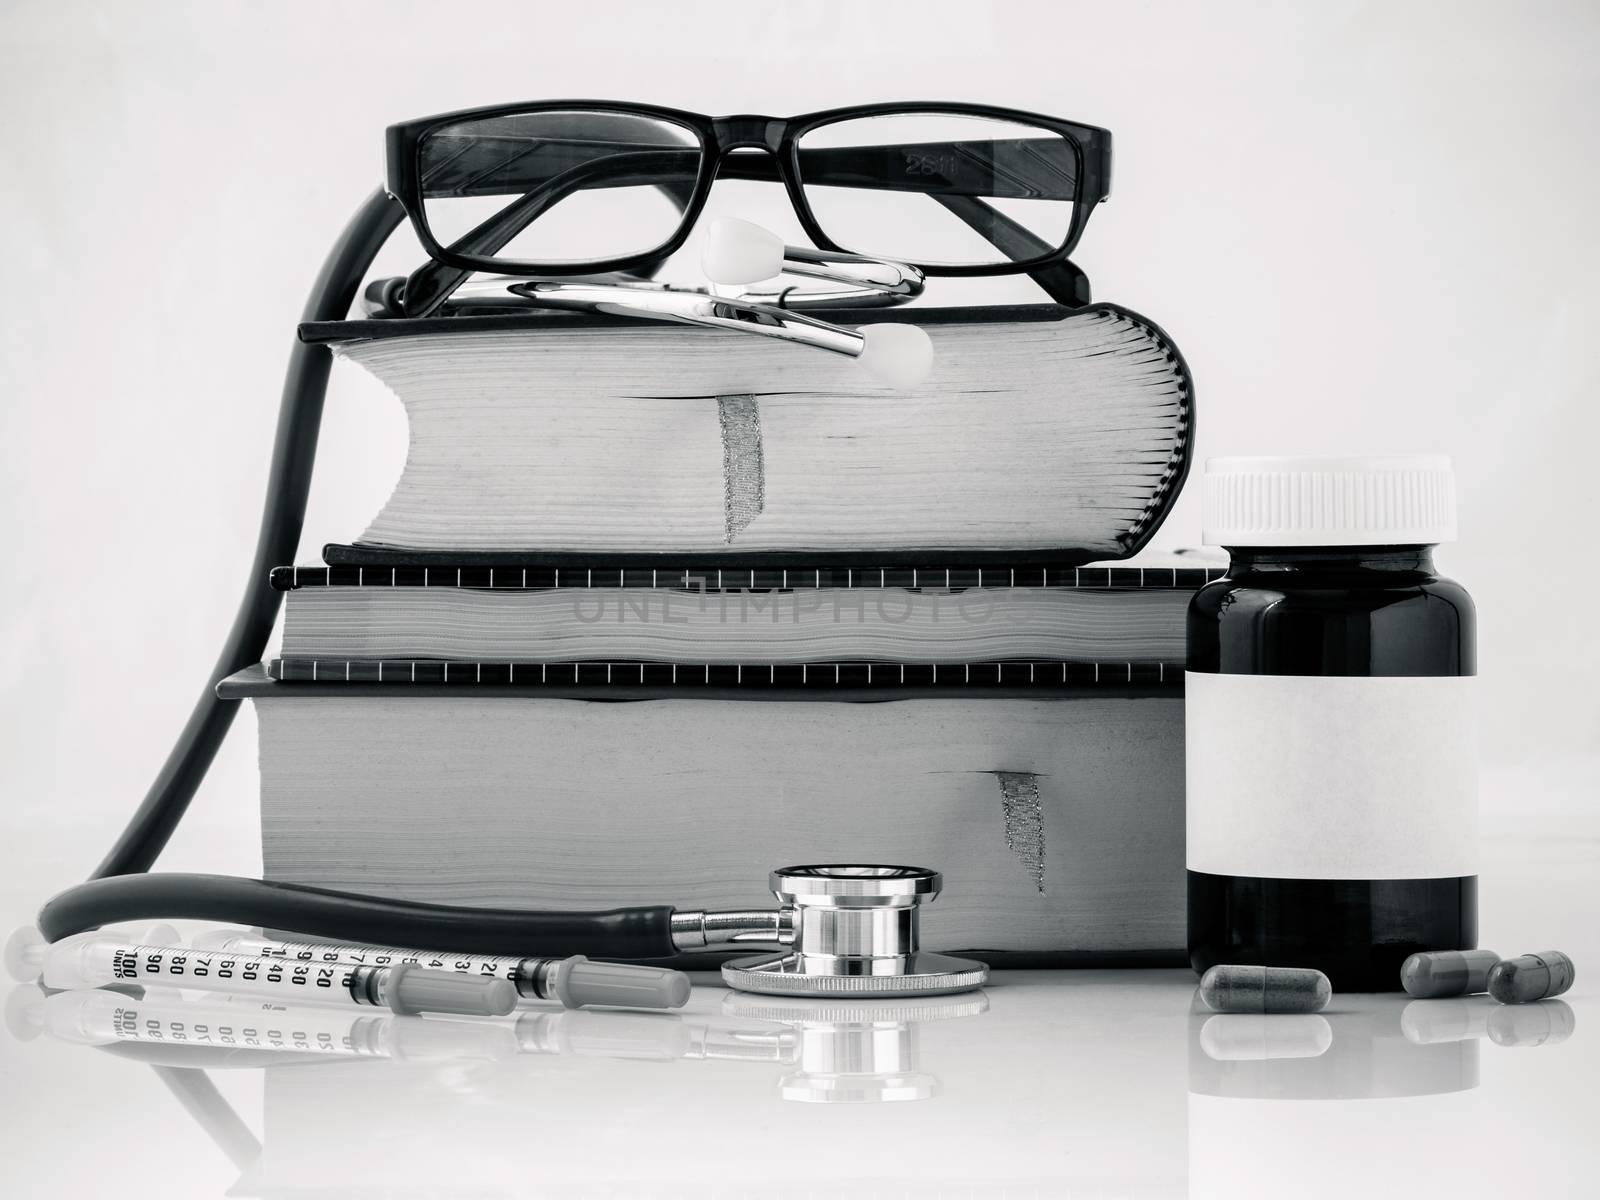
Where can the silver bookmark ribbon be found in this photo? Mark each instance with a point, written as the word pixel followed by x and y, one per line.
pixel 743 474
pixel 1023 812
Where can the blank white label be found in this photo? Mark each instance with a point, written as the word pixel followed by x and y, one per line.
pixel 1328 777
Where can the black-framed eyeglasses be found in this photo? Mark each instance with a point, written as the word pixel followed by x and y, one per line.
pixel 584 187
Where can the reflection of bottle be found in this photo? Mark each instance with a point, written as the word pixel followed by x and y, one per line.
pixel 1332 792
pixel 1322 1097
pixel 857 1052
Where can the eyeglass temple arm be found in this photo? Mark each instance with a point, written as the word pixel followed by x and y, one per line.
pixel 1062 281
pixel 1011 238
pixel 1019 168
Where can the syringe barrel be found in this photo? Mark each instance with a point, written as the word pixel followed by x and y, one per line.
pixel 573 982
pixel 403 987
pixel 519 971
pixel 98 961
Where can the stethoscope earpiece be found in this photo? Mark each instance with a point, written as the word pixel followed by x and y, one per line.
pixel 898 355
pixel 737 252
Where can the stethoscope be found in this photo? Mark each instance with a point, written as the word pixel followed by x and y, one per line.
pixel 839 930
pixel 734 253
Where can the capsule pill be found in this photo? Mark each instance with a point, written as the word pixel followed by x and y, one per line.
pixel 1531 977
pixel 1447 973
pixel 1232 988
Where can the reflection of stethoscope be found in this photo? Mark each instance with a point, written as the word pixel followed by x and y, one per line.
pixel 857 1052
pixel 845 1051
pixel 850 1052
pixel 844 930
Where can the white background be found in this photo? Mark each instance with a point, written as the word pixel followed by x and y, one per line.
pixel 1370 227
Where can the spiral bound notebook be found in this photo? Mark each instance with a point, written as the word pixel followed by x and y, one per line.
pixel 862 626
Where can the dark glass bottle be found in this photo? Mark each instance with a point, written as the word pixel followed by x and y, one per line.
pixel 1332 781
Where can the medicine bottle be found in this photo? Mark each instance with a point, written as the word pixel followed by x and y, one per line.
pixel 1331 765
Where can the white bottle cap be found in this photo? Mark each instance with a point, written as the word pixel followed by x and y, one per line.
pixel 1381 500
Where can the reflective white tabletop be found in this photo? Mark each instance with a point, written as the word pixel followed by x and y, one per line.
pixel 1047 1084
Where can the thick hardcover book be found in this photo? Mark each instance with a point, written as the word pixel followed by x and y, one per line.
pixel 1056 814
pixel 1044 435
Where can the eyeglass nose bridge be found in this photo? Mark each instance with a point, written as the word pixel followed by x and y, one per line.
pixel 747 132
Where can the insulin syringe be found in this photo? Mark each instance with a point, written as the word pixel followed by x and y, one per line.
pixel 102 959
pixel 574 982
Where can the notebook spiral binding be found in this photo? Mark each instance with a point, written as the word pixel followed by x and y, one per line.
pixel 743 578
pixel 1042 674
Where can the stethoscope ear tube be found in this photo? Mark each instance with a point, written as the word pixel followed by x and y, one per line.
pixel 294 451
pixel 642 932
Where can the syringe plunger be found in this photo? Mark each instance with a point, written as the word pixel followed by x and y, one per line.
pixel 413 989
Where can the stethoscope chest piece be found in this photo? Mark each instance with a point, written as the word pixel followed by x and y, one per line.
pixel 856 933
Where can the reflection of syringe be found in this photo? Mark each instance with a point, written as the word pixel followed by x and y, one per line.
pixel 98 1018
pixel 404 988
pixel 574 982
pixel 658 1037
pixel 257 1033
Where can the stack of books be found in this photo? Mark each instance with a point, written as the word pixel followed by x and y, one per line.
pixel 655 609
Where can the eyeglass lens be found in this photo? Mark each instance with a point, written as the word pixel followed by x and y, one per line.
pixel 559 186
pixel 940 188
